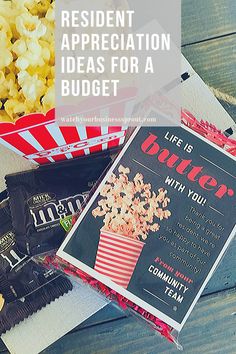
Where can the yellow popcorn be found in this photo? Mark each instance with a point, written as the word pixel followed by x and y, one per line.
pixel 14 108
pixel 50 27
pixel 5 7
pixel 3 93
pixel 6 58
pixel 2 77
pixel 49 52
pixel 49 99
pixel 37 107
pixel 19 47
pixel 11 87
pixel 42 71
pixel 34 47
pixel 30 26
pixel 50 83
pixel 4 117
pixel 52 73
pixel 38 7
pixel 32 56
pixel 24 4
pixel 50 15
pixel 46 54
pixel 4 27
pixel 32 86
pixel 27 57
pixel 4 40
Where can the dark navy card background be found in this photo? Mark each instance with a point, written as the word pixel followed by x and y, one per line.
pixel 163 244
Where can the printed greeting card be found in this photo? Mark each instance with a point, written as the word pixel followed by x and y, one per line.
pixel 160 221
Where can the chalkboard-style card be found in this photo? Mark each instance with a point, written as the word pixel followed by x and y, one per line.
pixel 160 222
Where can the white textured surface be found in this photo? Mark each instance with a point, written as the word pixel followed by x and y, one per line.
pixel 200 101
pixel 48 325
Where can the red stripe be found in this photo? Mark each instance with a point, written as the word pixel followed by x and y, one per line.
pixel 123 240
pixel 71 135
pixel 96 131
pixel 17 141
pixel 117 253
pixel 45 139
pixel 115 142
pixel 112 255
pixel 110 273
pixel 91 133
pixel 118 266
pixel 21 144
pixel 58 158
pixel 113 260
pixel 116 110
pixel 134 248
pixel 116 270
pixel 119 250
pixel 78 153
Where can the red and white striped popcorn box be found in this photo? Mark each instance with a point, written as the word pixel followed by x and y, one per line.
pixel 40 139
pixel 117 257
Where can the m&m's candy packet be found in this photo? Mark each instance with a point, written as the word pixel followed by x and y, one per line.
pixel 41 198
pixel 25 287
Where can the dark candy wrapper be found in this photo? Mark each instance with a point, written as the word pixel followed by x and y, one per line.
pixel 20 275
pixel 40 198
pixel 15 312
pixel 25 287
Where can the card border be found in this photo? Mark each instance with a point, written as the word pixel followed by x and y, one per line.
pixel 61 253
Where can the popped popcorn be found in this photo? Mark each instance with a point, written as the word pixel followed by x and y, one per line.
pixel 27 60
pixel 131 208
pixel 30 26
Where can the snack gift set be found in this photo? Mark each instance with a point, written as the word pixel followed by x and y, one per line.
pixel 133 242
pixel 134 237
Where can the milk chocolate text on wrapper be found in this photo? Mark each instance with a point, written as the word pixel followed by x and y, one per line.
pixel 41 198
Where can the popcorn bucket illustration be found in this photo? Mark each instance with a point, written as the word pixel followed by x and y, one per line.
pixel 40 139
pixel 117 257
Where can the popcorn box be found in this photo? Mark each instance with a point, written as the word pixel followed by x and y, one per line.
pixel 40 139
pixel 117 257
